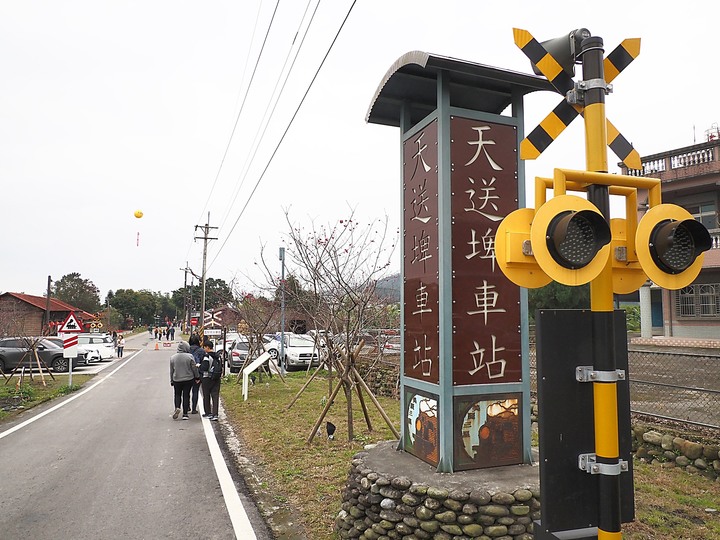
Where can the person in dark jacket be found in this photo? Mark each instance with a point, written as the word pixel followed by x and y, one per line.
pixel 198 353
pixel 184 375
pixel 210 374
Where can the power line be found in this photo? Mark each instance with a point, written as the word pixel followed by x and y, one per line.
pixel 242 105
pixel 282 138
pixel 267 119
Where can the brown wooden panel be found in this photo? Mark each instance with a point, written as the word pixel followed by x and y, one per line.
pixel 420 257
pixel 486 305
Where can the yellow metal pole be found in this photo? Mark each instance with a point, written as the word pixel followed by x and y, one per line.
pixel 601 299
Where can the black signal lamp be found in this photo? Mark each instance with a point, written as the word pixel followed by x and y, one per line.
pixel 675 244
pixel 570 239
pixel 670 245
pixel 575 237
pixel 564 50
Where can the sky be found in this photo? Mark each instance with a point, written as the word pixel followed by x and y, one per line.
pixel 162 106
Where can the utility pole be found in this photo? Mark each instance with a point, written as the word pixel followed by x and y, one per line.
pixel 205 237
pixel 46 326
pixel 282 311
pixel 186 316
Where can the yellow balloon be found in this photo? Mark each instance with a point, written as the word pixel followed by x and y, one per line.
pixel 138 214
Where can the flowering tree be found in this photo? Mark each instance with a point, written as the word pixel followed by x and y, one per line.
pixel 335 269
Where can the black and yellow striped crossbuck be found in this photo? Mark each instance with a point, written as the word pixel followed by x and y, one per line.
pixel 554 123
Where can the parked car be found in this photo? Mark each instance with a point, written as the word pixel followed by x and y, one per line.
pixel 100 346
pixel 83 355
pixel 238 355
pixel 18 350
pixel 299 349
pixel 230 338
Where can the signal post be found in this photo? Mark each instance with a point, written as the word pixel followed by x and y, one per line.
pixel 607 450
pixel 572 240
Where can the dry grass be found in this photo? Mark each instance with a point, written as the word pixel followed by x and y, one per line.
pixel 670 504
pixel 309 477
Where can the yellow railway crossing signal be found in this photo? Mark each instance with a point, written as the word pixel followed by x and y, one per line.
pixel 561 78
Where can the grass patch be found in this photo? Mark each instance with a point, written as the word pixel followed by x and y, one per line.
pixel 14 398
pixel 670 503
pixel 310 477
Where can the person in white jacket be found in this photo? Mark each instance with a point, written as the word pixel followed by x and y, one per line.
pixel 120 346
pixel 183 375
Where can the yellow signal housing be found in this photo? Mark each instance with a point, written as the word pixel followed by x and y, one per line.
pixel 627 273
pixel 570 240
pixel 513 251
pixel 670 245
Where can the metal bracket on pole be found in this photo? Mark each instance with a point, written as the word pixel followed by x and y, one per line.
pixel 589 464
pixel 577 94
pixel 588 374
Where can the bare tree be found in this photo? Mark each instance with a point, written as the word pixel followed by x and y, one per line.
pixel 335 269
pixel 257 315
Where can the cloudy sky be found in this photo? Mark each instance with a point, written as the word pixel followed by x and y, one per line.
pixel 108 107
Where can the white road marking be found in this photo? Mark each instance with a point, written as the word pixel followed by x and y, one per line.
pixel 240 522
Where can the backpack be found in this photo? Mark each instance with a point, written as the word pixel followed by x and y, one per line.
pixel 216 369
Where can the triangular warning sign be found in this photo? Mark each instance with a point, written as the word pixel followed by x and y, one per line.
pixel 71 324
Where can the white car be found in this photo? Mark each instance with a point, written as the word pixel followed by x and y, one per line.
pixel 84 356
pixel 99 346
pixel 299 349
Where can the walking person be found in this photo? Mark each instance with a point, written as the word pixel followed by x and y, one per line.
pixel 198 353
pixel 210 374
pixel 120 346
pixel 184 375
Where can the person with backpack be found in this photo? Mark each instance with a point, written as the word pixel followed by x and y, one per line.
pixel 211 369
pixel 198 353
pixel 183 374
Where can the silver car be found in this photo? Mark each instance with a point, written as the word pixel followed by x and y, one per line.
pixel 17 351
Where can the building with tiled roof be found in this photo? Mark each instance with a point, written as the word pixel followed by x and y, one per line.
pixel 29 315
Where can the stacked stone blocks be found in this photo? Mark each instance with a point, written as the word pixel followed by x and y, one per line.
pixel 382 507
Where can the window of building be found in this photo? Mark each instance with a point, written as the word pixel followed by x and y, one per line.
pixel 698 301
pixel 705 213
pixel 708 300
pixel 686 302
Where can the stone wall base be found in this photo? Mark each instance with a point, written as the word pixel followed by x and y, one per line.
pixel 392 495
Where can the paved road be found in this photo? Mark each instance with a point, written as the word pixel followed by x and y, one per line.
pixel 109 462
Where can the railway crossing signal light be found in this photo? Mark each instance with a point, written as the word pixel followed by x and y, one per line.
pixel 669 243
pixel 565 240
pixel 568 240
pixel 575 237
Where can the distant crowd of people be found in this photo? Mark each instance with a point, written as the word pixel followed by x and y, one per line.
pixel 191 367
pixel 162 332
